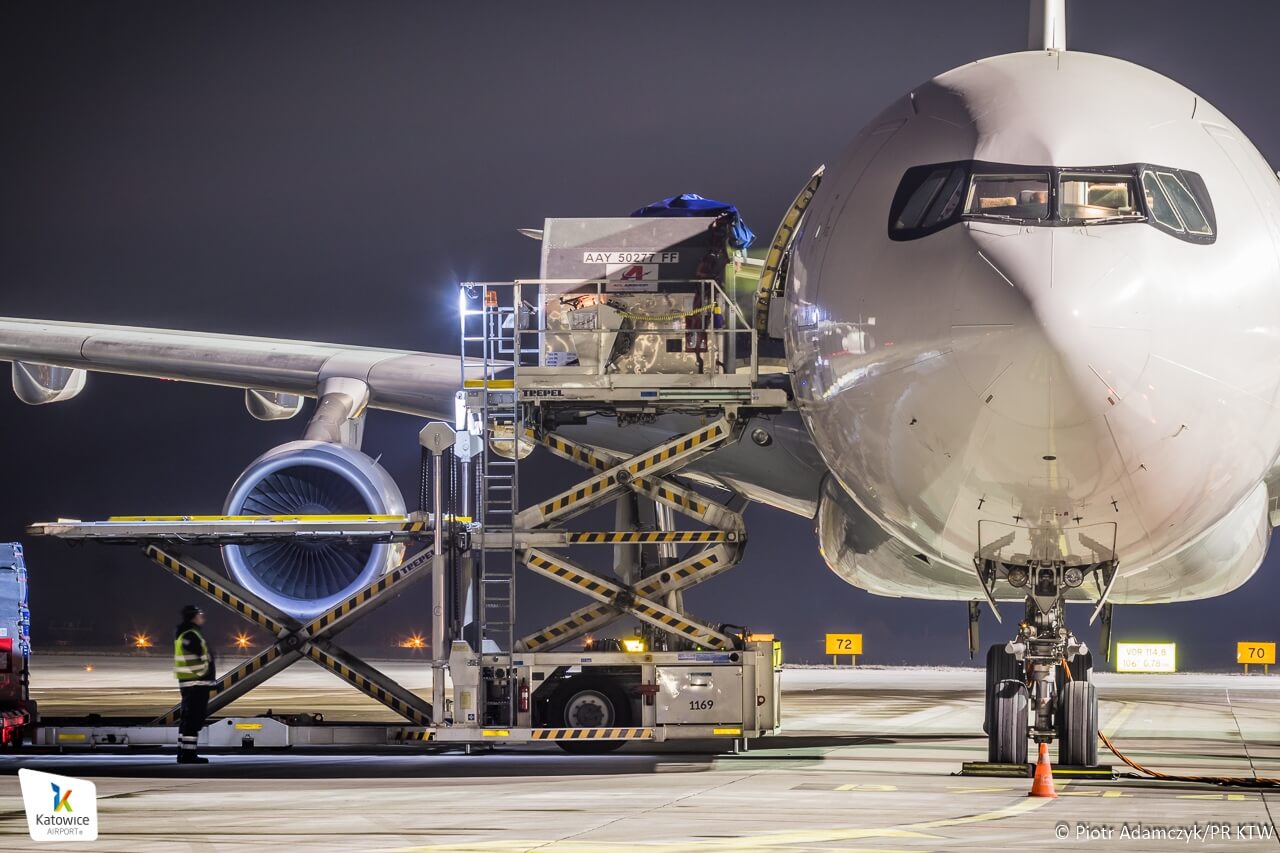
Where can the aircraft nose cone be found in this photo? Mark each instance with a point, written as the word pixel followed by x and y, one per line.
pixel 1047 327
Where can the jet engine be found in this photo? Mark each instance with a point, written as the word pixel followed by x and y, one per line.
pixel 307 577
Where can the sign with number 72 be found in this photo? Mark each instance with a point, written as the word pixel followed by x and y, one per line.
pixel 844 644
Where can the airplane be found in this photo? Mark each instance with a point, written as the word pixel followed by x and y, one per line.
pixel 1031 324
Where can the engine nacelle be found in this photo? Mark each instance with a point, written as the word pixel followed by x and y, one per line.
pixel 305 578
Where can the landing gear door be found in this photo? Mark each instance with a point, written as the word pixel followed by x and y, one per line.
pixel 699 695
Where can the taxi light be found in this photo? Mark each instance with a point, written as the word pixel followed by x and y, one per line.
pixel 242 641
pixel 633 644
pixel 142 641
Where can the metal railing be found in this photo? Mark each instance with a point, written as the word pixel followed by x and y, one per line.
pixel 507 326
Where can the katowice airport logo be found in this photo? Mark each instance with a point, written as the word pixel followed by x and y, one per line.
pixel 59 808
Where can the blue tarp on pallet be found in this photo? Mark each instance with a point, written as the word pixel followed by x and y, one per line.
pixel 692 204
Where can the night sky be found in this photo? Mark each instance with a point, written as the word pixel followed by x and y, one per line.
pixel 329 171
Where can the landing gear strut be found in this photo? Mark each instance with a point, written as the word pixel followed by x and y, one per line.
pixel 1030 695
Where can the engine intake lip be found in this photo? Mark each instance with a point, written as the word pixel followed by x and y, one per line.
pixel 306 578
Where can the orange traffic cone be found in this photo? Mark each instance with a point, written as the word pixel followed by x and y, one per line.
pixel 1042 784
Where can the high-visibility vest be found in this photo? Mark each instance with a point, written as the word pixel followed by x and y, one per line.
pixel 188 667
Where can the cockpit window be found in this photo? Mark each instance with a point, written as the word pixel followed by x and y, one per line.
pixel 1093 198
pixel 933 200
pixel 1158 202
pixel 1018 197
pixel 930 198
pixel 1184 203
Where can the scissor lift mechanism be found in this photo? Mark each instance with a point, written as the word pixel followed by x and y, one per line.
pixel 647 474
pixel 526 405
pixel 643 475
pixel 295 639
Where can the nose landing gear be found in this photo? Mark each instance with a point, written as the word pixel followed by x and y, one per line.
pixel 1038 686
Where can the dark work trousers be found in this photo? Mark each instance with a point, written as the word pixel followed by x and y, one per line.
pixel 195 707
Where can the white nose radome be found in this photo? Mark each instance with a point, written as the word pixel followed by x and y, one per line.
pixel 1048 331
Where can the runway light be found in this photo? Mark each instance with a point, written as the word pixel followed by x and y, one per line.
pixel 88 667
pixel 413 641
pixel 142 641
pixel 242 641
pixel 633 644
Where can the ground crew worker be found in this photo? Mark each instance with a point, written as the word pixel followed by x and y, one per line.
pixel 193 666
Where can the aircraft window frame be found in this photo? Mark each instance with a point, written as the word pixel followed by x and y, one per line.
pixel 939 213
pixel 1028 176
pixel 1066 176
pixel 920 204
pixel 1184 204
pixel 1160 211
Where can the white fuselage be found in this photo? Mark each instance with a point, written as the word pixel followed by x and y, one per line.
pixel 1069 383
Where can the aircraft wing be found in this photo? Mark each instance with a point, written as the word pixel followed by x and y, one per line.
pixel 51 358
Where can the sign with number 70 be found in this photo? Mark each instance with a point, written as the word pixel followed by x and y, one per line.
pixel 1264 653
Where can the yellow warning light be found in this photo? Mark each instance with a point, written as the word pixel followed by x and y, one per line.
pixel 243 641
pixel 142 640
pixel 413 641
pixel 633 644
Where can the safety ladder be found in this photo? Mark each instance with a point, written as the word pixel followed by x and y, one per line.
pixel 493 349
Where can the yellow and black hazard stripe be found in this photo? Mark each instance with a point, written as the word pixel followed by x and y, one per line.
pixel 674 577
pixel 586 618
pixel 673 622
pixel 685 500
pixel 170 718
pixel 367 686
pixel 590 489
pixel 678 448
pixel 609 593
pixel 651 537
pixel 247 669
pixel 572 451
pixel 568 574
pixel 781 242
pixel 228 681
pixel 605 483
pixel 583 619
pixel 213 589
pixel 414 735
pixel 625 733
pixel 380 586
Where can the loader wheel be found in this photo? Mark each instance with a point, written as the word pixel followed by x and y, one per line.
pixel 589 701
